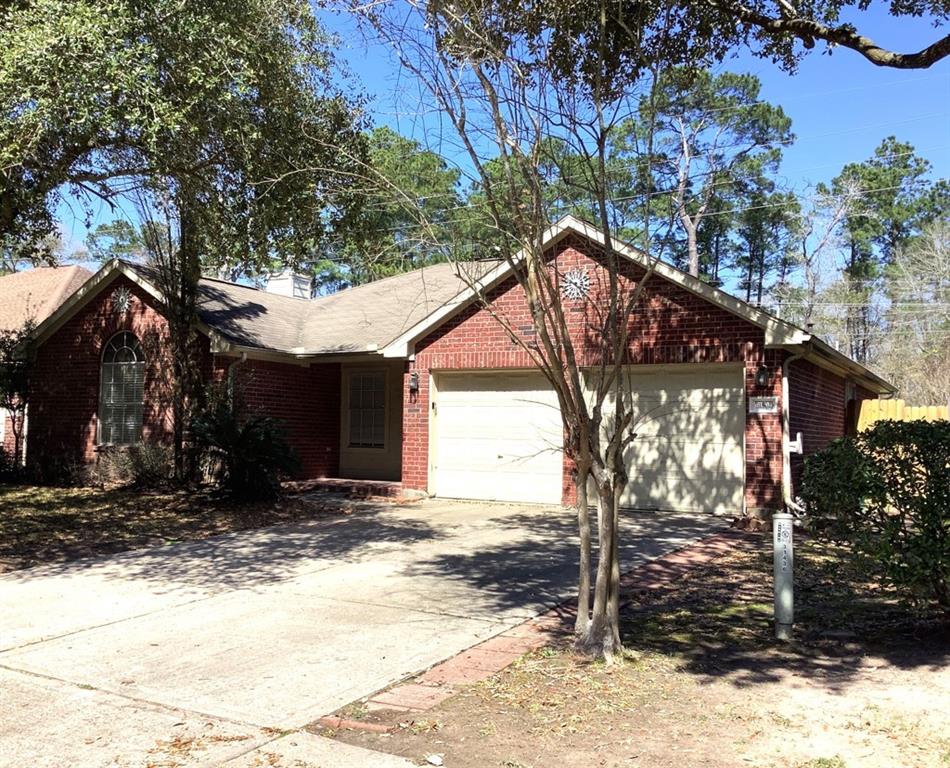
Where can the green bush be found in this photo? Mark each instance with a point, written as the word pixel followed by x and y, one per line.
pixel 245 456
pixel 887 493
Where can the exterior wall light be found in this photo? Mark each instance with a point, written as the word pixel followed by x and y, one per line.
pixel 414 383
pixel 762 377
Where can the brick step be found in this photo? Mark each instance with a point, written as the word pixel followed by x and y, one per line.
pixel 357 489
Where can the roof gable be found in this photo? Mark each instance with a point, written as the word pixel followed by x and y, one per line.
pixel 243 318
pixel 777 331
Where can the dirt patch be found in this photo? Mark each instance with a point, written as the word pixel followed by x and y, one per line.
pixel 866 682
pixel 47 525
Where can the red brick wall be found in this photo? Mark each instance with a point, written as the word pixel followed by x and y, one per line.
pixel 65 382
pixel 669 325
pixel 306 400
pixel 65 397
pixel 816 408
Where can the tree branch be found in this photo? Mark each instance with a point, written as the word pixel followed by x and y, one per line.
pixel 807 30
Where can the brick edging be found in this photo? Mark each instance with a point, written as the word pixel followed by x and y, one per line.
pixel 481 661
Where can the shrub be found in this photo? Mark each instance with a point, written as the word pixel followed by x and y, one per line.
pixel 149 465
pixel 146 465
pixel 887 492
pixel 246 456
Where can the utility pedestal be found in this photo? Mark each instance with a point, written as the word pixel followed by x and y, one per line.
pixel 784 559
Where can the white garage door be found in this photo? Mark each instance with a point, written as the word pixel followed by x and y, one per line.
pixel 689 451
pixel 497 437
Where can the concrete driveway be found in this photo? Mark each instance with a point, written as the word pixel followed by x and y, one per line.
pixel 226 641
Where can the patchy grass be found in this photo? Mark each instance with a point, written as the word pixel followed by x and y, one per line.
pixel 44 525
pixel 865 683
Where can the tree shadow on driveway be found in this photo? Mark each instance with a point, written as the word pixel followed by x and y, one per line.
pixel 257 557
pixel 536 566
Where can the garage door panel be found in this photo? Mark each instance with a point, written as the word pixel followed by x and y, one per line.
pixel 689 451
pixel 498 437
pixel 675 491
pixel 686 453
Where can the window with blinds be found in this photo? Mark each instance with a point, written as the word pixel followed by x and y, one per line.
pixel 367 409
pixel 121 390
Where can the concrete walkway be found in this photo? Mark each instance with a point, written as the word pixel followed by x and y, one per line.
pixel 203 652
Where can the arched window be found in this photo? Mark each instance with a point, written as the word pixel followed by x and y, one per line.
pixel 121 390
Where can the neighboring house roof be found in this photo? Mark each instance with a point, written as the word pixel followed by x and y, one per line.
pixel 389 316
pixel 36 293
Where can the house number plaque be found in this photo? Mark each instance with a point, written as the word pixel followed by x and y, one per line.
pixel 763 405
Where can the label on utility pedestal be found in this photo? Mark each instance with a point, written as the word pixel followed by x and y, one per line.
pixel 784 562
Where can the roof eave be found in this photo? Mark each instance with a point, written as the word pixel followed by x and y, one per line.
pixel 824 355
pixel 220 345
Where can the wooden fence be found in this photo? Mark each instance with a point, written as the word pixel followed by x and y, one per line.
pixel 898 410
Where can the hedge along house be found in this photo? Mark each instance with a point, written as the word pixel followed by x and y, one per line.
pixel 411 379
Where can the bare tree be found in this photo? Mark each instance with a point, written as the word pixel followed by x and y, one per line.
pixel 167 232
pixel 501 96
pixel 916 344
pixel 820 242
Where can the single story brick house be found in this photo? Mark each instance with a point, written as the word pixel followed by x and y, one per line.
pixel 411 379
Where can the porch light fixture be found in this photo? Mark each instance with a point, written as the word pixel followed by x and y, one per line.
pixel 762 376
pixel 414 383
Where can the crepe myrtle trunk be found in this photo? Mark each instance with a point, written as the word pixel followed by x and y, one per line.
pixel 581 478
pixel 601 636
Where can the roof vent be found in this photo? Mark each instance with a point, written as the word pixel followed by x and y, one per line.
pixel 289 283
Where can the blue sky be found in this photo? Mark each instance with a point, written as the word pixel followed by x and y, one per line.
pixel 841 105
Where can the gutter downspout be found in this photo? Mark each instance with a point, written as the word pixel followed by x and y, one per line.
pixel 790 504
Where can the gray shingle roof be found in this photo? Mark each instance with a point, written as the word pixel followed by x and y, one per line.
pixel 357 319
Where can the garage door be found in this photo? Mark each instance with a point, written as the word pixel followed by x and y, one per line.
pixel 689 451
pixel 497 437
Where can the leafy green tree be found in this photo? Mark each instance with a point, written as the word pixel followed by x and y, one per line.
pixel 222 101
pixel 411 197
pixel 613 44
pixel 118 239
pixel 765 228
pixel 566 185
pixel 897 200
pixel 714 135
pixel 217 119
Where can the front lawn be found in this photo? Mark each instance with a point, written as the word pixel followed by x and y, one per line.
pixel 43 524
pixel 865 683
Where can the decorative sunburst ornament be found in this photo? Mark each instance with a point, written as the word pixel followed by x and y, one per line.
pixel 576 284
pixel 121 300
